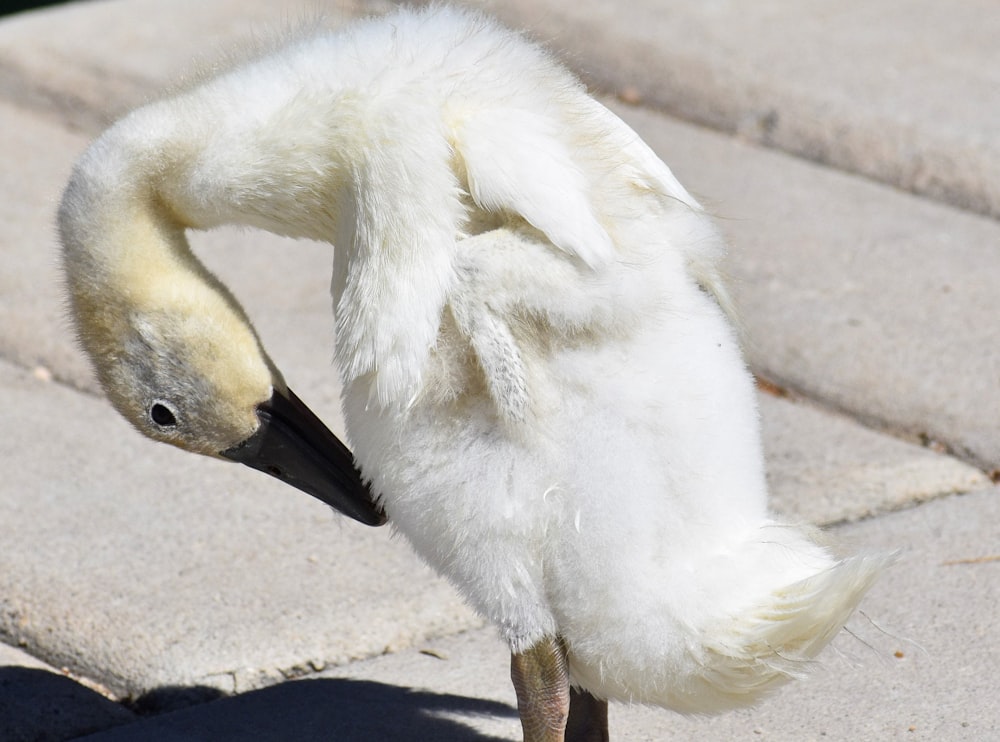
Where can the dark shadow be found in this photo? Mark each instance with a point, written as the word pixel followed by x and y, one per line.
pixel 172 698
pixel 18 6
pixel 315 710
pixel 42 706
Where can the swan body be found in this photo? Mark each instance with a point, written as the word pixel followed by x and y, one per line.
pixel 541 385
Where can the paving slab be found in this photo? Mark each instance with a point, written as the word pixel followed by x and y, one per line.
pixel 33 331
pixel 917 664
pixel 444 691
pixel 17 657
pixel 824 468
pixel 902 91
pixel 140 566
pixel 89 62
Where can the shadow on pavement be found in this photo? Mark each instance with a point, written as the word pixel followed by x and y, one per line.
pixel 321 709
pixel 172 698
pixel 37 705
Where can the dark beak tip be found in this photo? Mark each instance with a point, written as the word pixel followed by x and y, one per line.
pixel 381 517
pixel 294 446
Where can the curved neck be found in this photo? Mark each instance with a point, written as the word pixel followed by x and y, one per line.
pixel 295 166
pixel 125 255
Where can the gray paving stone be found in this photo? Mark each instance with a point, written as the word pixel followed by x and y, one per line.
pixel 904 91
pixel 32 326
pixel 143 567
pixel 17 657
pixel 824 468
pixel 421 697
pixel 917 664
pixel 49 60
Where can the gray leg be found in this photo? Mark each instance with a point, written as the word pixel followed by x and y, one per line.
pixel 588 718
pixel 541 681
pixel 550 710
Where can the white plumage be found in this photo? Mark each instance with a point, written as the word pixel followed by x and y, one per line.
pixel 539 378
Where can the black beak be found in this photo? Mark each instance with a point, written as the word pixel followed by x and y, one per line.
pixel 294 445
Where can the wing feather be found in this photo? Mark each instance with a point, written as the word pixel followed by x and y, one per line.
pixel 516 162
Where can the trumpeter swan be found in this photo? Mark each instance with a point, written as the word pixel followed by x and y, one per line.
pixel 540 382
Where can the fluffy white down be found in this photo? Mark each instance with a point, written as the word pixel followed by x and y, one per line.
pixel 539 379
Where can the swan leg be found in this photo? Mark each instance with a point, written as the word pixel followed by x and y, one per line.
pixel 588 718
pixel 550 710
pixel 541 681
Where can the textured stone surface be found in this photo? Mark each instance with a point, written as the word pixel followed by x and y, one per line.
pixel 16 657
pixel 141 566
pixel 901 91
pixel 50 62
pixel 824 468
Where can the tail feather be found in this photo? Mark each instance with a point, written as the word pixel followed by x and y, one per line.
pixel 776 640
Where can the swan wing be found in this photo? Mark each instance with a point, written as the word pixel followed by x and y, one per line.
pixel 516 162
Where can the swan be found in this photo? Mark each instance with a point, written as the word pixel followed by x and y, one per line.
pixel 541 383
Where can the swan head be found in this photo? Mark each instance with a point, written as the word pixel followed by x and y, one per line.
pixel 176 354
pixel 179 364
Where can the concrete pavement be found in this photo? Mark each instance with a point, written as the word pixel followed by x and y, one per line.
pixel 132 571
pixel 901 92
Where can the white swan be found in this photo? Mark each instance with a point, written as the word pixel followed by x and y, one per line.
pixel 539 382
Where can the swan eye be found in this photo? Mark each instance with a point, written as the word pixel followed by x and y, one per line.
pixel 161 414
